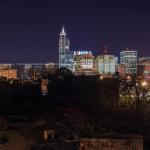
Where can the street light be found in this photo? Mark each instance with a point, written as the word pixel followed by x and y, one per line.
pixel 141 91
pixel 101 77
pixel 144 84
pixel 129 78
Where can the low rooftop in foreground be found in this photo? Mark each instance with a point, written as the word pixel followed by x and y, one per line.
pixel 115 142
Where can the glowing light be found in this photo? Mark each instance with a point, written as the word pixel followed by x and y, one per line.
pixel 144 83
pixel 128 77
pixel 101 77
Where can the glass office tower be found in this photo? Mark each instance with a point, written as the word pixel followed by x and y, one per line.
pixel 65 55
pixel 129 59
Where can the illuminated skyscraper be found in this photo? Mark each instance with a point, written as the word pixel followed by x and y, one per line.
pixel 129 59
pixel 65 55
pixel 83 63
pixel 106 63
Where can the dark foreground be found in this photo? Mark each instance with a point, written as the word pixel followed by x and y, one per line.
pixel 74 108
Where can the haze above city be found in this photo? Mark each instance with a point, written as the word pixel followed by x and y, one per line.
pixel 29 29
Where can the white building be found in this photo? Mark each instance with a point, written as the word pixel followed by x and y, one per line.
pixel 106 64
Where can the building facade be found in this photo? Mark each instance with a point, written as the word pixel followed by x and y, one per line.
pixel 26 71
pixel 65 55
pixel 81 52
pixel 8 73
pixel 84 64
pixel 106 64
pixel 144 67
pixel 122 71
pixel 129 59
pixel 51 67
pixel 5 66
pixel 76 54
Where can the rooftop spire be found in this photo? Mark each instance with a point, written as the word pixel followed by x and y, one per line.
pixel 105 49
pixel 63 31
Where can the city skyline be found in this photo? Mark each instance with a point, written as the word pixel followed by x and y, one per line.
pixel 30 29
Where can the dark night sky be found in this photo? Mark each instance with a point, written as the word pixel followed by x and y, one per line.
pixel 29 29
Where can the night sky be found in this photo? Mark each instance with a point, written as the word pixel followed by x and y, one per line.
pixel 29 29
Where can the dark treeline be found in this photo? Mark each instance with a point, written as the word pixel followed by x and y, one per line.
pixel 84 90
pixel 17 94
pixel 64 89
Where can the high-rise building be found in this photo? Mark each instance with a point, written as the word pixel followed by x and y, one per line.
pixel 84 64
pixel 129 59
pixel 76 55
pixel 106 63
pixel 65 55
pixel 144 67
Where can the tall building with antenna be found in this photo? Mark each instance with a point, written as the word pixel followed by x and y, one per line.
pixel 65 55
